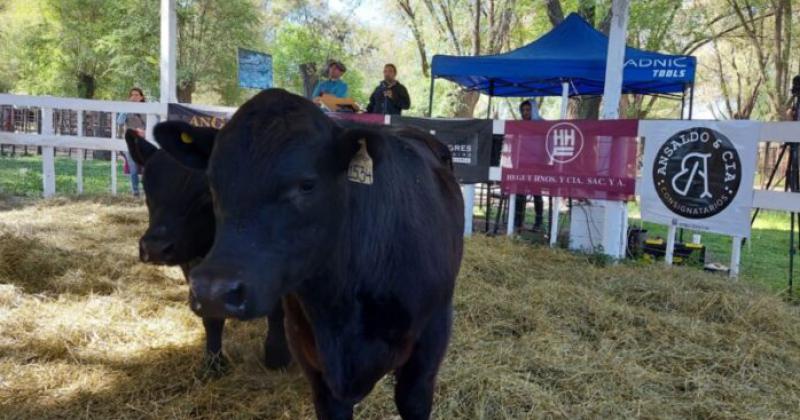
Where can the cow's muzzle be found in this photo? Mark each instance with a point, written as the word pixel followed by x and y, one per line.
pixel 156 251
pixel 215 296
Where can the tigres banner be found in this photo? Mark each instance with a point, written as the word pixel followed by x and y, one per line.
pixel 470 142
pixel 197 117
pixel 698 175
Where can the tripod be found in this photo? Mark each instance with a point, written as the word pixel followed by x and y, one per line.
pixel 792 181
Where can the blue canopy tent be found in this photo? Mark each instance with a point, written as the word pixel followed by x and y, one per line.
pixel 572 53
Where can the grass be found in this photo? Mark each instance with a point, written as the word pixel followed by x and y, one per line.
pixel 86 331
pixel 764 258
pixel 22 176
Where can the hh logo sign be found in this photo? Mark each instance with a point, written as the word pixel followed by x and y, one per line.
pixel 697 173
pixel 564 143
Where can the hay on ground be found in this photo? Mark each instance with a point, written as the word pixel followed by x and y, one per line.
pixel 87 331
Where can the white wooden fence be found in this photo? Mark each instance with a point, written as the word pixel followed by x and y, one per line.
pixel 48 140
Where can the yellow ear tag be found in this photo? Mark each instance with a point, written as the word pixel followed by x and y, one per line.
pixel 186 138
pixel 360 170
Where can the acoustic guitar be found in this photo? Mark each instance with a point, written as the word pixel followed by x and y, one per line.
pixel 334 104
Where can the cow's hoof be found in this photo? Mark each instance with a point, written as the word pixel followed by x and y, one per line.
pixel 277 358
pixel 214 366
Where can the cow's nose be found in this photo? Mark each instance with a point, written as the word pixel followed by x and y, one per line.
pixel 215 297
pixel 156 250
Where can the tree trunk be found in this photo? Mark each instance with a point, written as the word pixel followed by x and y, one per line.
pixel 185 91
pixel 465 103
pixel 310 78
pixel 585 108
pixel 86 86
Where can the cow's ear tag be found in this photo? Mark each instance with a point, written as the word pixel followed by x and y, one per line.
pixel 186 138
pixel 360 170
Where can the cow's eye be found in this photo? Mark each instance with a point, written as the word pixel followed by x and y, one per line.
pixel 307 186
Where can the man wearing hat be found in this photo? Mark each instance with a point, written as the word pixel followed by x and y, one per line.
pixel 334 85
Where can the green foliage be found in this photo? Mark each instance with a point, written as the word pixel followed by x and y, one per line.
pixel 209 33
pixel 98 48
pixel 306 41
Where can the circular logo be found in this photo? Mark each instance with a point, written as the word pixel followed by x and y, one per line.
pixel 564 142
pixel 697 173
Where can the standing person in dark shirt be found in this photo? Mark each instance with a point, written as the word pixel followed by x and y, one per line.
pixel 390 97
pixel 526 108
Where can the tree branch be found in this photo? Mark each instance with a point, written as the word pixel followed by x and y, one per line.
pixel 554 12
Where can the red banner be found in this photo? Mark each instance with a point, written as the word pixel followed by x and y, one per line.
pixel 378 119
pixel 576 159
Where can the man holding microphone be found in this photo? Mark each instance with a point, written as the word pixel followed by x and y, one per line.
pixel 390 97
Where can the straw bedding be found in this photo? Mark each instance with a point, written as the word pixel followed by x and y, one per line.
pixel 86 331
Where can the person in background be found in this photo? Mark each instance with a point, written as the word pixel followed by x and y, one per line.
pixel 529 111
pixel 134 122
pixel 390 97
pixel 334 85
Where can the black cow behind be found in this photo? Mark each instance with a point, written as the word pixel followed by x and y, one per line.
pixel 359 231
pixel 181 231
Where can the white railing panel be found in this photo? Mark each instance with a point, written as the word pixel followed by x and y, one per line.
pixel 776 200
pixel 75 142
pixel 82 104
pixel 780 132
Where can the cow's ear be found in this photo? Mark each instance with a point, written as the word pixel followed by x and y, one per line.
pixel 189 145
pixel 140 149
pixel 359 151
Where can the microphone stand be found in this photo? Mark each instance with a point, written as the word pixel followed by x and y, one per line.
pixel 385 98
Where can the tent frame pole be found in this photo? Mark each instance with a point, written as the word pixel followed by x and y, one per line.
pixel 691 101
pixel 683 102
pixel 555 205
pixel 491 94
pixel 430 97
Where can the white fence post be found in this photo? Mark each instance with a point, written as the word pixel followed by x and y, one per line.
pixel 113 172
pixel 48 155
pixel 114 154
pixel 79 160
pixel 554 213
pixel 512 204
pixel 670 250
pixel 468 192
pixel 79 172
pixel 736 252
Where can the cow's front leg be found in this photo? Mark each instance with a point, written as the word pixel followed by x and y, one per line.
pixel 413 392
pixel 214 362
pixel 276 350
pixel 326 405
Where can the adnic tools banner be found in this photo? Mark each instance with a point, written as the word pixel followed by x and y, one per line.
pixel 698 175
pixel 576 159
